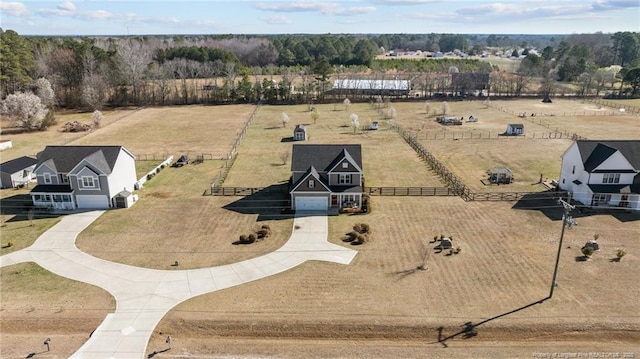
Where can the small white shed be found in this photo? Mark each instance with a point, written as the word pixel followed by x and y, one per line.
pixel 300 133
pixel 515 129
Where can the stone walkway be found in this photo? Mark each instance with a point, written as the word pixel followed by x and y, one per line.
pixel 143 296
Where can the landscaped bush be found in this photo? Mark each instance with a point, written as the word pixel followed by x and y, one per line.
pixel 361 228
pixel 252 238
pixel 587 251
pixel 619 254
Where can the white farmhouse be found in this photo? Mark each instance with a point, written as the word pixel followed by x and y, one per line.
pixel 603 173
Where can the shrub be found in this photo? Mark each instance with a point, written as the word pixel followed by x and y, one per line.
pixel 252 238
pixel 243 238
pixel 596 236
pixel 587 251
pixel 10 244
pixel 262 233
pixel 266 226
pixel 458 249
pixel 620 253
pixel 364 227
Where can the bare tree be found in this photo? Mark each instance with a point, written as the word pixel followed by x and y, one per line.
pixel 315 115
pixel 284 156
pixel 354 122
pixel 347 103
pixel 96 117
pixel 445 107
pixel 285 119
pixel 45 92
pixel 391 113
pixel 135 56
pixel 25 110
pixel 427 108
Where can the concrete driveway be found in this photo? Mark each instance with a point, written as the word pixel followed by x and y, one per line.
pixel 143 296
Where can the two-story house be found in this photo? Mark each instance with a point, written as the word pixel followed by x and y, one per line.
pixel 326 176
pixel 603 173
pixel 97 177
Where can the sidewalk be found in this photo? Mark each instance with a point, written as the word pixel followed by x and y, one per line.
pixel 143 296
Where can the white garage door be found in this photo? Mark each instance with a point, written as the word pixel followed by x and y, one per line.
pixel 312 203
pixel 92 201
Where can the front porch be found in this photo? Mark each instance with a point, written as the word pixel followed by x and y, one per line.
pixel 52 196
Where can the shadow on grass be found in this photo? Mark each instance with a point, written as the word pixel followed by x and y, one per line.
pixel 470 329
pixel 270 203
pixel 21 208
pixel 547 203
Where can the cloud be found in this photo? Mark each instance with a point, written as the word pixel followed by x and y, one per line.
pixel 277 20
pixel 14 9
pixel 521 11
pixel 297 6
pixel 66 6
pixel 605 5
pixel 324 8
pixel 404 2
pixel 350 11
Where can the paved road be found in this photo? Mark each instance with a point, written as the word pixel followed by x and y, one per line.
pixel 143 296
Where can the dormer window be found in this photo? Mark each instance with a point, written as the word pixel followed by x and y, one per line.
pixel 344 179
pixel 312 183
pixel 47 178
pixel 88 182
pixel 345 165
pixel 64 178
pixel 611 178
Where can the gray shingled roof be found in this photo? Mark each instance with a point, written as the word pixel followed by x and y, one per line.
pixel 65 158
pixel 593 153
pixel 18 164
pixel 322 156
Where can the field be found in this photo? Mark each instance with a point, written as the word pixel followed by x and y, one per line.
pixel 264 146
pixel 30 143
pixel 381 305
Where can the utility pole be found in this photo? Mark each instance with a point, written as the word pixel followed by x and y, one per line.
pixel 567 207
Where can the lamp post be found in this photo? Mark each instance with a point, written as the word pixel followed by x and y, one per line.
pixel 567 207
pixel 46 342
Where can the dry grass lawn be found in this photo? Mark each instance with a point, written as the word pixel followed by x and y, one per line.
pixel 173 221
pixel 30 143
pixel 36 304
pixel 380 305
pixel 506 262
pixel 176 130
pixel 386 157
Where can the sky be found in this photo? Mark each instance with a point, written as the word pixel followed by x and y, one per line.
pixel 158 17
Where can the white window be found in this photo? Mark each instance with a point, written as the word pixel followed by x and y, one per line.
pixel 64 178
pixel 345 165
pixel 312 183
pixel 47 178
pixel 344 179
pixel 611 178
pixel 600 198
pixel 88 182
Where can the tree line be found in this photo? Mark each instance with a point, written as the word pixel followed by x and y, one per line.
pixel 93 72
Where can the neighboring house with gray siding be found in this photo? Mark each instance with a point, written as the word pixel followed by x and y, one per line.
pixel 326 176
pixel 72 177
pixel 17 172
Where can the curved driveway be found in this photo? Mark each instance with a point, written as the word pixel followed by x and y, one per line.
pixel 143 296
